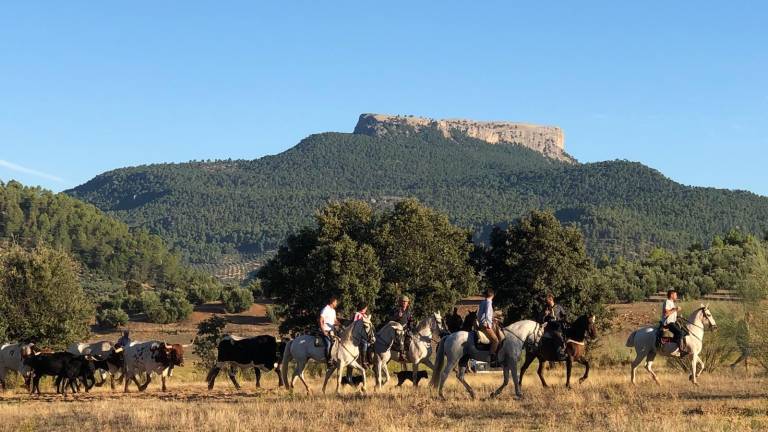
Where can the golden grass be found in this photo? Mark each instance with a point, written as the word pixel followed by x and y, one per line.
pixel 606 402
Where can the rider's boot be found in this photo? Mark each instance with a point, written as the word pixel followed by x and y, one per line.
pixel 494 363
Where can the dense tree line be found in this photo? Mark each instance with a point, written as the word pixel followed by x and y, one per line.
pixel 211 209
pixel 735 261
pixel 370 258
pixel 116 264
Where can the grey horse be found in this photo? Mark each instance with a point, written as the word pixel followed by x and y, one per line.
pixel 461 344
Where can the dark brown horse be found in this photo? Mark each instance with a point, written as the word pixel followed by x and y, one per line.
pixel 575 348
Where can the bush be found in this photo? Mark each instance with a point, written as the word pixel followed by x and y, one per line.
pixel 165 306
pixel 203 290
pixel 41 298
pixel 112 318
pixel 209 333
pixel 237 299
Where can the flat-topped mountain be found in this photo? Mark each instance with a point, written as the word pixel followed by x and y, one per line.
pixel 547 140
pixel 213 210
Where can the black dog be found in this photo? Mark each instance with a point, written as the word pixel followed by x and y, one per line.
pixel 404 376
pixel 356 380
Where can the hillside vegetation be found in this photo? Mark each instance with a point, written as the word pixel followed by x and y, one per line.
pixel 212 209
pixel 119 269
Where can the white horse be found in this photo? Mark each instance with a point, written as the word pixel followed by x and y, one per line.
pixel 644 342
pixel 420 348
pixel 346 351
pixel 382 349
pixel 302 349
pixel 461 344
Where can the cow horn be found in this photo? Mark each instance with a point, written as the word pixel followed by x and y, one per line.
pixel 186 345
pixel 118 349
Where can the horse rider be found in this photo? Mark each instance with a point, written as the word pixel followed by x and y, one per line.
pixel 553 316
pixel 404 315
pixel 124 340
pixel 328 326
pixel 485 321
pixel 453 321
pixel 669 311
pixel 362 313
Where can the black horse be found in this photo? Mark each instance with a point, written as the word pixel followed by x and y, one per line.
pixel 575 348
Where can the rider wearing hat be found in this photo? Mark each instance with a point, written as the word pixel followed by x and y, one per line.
pixel 404 315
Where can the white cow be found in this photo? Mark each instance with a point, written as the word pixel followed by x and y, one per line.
pixel 103 350
pixel 12 357
pixel 151 357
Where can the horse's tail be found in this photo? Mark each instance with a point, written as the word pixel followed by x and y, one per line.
pixel 284 364
pixel 439 362
pixel 631 340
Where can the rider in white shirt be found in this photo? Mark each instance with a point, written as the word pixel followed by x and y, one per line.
pixel 328 325
pixel 669 319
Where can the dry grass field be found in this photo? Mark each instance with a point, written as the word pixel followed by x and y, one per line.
pixel 725 402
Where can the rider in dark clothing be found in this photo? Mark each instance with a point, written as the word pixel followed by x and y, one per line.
pixel 553 316
pixel 404 315
pixel 454 321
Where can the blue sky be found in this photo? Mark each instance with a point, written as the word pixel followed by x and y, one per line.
pixel 85 88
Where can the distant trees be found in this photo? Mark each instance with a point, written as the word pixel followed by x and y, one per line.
pixel 365 257
pixel 735 261
pixel 41 299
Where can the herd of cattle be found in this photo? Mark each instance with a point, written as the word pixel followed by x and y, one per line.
pixel 90 363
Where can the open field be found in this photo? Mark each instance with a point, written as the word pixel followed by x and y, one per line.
pixel 606 402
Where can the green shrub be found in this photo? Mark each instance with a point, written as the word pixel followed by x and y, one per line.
pixel 237 299
pixel 112 318
pixel 165 306
pixel 209 333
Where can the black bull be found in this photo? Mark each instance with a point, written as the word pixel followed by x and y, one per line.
pixel 257 352
pixel 66 367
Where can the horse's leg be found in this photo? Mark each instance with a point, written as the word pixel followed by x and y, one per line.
pixel 386 373
pixel 635 363
pixel 649 366
pixel 450 364
pixel 415 372
pixel 328 372
pixel 584 361
pixel 694 363
pixel 568 366
pixel 338 376
pixel 460 377
pixel 528 360
pixel 701 366
pixel 540 372
pixel 359 367
pixel 299 373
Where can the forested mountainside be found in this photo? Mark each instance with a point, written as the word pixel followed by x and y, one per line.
pixel 209 209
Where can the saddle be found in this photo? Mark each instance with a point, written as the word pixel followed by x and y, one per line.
pixel 482 343
pixel 665 338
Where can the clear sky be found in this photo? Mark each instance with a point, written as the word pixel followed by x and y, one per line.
pixel 89 87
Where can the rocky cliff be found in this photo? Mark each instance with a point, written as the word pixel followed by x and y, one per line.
pixel 548 140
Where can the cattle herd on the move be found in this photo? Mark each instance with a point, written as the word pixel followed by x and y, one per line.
pixel 89 364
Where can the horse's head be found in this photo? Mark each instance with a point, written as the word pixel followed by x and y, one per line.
pixel 706 315
pixel 437 322
pixel 591 329
pixel 367 329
